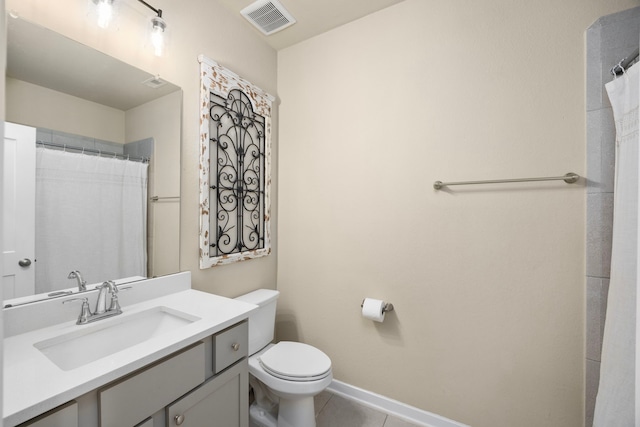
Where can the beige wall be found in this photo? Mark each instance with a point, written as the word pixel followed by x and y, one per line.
pixel 194 27
pixel 38 106
pixel 487 282
pixel 160 119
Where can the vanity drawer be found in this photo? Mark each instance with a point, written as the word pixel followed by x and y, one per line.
pixel 230 345
pixel 131 400
pixel 63 416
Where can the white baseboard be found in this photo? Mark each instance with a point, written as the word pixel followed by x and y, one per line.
pixel 390 406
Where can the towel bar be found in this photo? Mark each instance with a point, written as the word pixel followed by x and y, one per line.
pixel 569 178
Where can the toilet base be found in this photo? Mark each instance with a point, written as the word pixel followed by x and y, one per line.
pixel 297 412
pixel 259 417
pixel 289 413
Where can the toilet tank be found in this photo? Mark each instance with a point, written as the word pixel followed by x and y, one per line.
pixel 263 320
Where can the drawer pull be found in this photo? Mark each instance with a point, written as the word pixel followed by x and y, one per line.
pixel 179 419
pixel 235 346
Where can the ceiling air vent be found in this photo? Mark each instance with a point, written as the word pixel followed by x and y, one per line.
pixel 269 16
pixel 154 82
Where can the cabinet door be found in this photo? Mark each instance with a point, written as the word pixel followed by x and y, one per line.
pixel 223 401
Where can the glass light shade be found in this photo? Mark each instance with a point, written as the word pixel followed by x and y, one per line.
pixel 157 35
pixel 105 12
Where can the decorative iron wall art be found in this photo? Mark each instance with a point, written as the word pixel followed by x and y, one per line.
pixel 235 167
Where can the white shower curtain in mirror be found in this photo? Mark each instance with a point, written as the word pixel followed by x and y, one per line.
pixel 615 403
pixel 91 215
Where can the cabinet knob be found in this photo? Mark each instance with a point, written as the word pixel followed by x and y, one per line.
pixel 179 419
pixel 235 346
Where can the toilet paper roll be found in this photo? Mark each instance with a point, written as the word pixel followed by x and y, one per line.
pixel 372 309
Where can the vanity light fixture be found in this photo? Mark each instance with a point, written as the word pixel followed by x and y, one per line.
pixel 105 12
pixel 158 25
pixel 157 34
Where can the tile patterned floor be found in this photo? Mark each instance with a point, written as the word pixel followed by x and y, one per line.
pixel 336 411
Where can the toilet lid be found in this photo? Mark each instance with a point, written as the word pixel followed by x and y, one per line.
pixel 295 361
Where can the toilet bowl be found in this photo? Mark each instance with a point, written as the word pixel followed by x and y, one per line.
pixel 292 372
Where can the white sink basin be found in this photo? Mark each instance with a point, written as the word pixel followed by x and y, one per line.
pixel 105 337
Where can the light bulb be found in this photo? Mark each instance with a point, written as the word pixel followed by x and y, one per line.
pixel 105 12
pixel 157 35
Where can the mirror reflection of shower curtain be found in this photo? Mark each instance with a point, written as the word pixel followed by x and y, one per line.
pixel 615 403
pixel 91 215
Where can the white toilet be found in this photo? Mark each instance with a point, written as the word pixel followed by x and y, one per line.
pixel 287 373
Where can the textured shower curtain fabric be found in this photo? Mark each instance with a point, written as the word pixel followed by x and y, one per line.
pixel 91 215
pixel 615 403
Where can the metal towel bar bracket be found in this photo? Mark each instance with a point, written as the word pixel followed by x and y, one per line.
pixel 569 178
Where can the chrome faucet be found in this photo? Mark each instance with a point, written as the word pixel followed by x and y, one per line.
pixel 101 311
pixel 101 304
pixel 82 284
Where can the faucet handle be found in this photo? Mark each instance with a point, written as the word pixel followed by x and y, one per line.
pixel 85 311
pixel 115 304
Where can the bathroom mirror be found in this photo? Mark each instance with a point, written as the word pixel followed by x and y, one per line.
pixel 42 62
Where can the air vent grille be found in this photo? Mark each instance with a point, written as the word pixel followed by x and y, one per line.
pixel 154 82
pixel 269 16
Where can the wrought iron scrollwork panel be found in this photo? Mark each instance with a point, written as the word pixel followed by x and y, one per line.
pixel 237 175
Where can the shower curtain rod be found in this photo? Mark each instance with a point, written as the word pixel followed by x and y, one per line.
pixel 569 178
pixel 619 68
pixel 93 151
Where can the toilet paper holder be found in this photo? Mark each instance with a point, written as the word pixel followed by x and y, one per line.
pixel 387 306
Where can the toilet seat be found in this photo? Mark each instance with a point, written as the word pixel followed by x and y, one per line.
pixel 294 361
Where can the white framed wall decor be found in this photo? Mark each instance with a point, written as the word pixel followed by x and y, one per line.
pixel 235 167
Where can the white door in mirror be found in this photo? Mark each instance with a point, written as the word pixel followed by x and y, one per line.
pixel 18 211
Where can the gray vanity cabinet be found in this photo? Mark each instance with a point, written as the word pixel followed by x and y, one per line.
pixel 205 384
pixel 222 401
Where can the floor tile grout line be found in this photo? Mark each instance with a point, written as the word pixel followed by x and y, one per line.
pixel 326 410
pixel 325 405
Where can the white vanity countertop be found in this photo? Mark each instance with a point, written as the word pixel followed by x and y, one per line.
pixel 33 384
